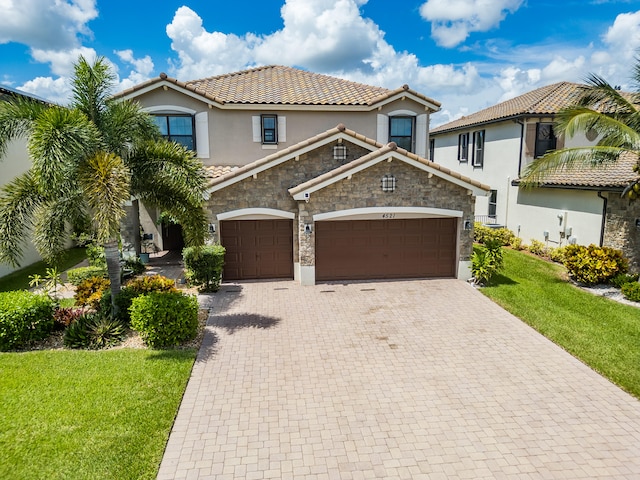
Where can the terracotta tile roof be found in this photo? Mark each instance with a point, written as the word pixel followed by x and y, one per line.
pixel 280 85
pixel 219 171
pixel 614 175
pixel 377 150
pixel 542 101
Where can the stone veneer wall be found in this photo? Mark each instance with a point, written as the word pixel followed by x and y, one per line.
pixel 414 189
pixel 620 228
pixel 270 188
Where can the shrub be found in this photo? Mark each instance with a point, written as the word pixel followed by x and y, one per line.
pixel 631 291
pixel 96 255
pixel 77 275
pixel 486 261
pixel 537 248
pixel 135 265
pixel 622 278
pixel 24 317
pixel 482 233
pixel 133 288
pixel 165 319
pixel 516 243
pixel 204 266
pixel 93 330
pixel 557 254
pixel 65 316
pixel 591 265
pixel 89 291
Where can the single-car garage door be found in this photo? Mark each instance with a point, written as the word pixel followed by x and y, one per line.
pixel 257 249
pixel 378 249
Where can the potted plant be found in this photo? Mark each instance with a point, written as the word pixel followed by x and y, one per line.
pixel 147 247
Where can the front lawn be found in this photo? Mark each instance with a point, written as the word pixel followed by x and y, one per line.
pixel 88 414
pixel 19 280
pixel 602 333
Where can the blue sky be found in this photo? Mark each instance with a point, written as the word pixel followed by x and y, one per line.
pixel 466 54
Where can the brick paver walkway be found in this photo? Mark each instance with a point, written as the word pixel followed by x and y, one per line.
pixel 394 380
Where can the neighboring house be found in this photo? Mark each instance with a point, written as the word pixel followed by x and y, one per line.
pixel 294 196
pixel 15 162
pixel 495 145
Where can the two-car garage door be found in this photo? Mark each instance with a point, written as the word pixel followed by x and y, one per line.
pixel 379 249
pixel 345 249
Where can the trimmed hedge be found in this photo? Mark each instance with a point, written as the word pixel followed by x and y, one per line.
pixel 24 317
pixel 134 288
pixel 631 291
pixel 204 266
pixel 165 319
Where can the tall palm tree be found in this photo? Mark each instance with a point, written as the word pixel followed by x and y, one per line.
pixel 602 109
pixel 87 161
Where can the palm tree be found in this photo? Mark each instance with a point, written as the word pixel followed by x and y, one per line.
pixel 601 109
pixel 87 161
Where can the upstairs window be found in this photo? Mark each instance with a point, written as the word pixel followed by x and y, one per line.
pixel 478 148
pixel 269 129
pixel 432 149
pixel 177 128
pixel 493 204
pixel 545 139
pixel 401 131
pixel 463 147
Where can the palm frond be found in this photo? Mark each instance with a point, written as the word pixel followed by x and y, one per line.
pixel 125 124
pixel 92 85
pixel 602 96
pixel 18 200
pixel 50 230
pixel 568 159
pixel 16 118
pixel 104 180
pixel 60 139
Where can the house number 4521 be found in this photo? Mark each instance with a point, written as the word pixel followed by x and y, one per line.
pixel 388 215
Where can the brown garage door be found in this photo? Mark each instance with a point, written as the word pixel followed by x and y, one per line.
pixel 371 249
pixel 257 249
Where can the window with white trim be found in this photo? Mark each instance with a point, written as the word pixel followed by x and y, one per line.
pixel 177 128
pixel 478 148
pixel 463 147
pixel 269 125
pixel 402 131
pixel 493 204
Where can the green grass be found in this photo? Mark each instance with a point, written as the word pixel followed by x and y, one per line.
pixel 19 279
pixel 602 333
pixel 88 415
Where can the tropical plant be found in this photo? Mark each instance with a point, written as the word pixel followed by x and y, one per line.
pixel 486 261
pixel 87 160
pixel 601 109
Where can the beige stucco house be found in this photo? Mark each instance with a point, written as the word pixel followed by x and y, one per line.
pixel 494 145
pixel 15 162
pixel 317 178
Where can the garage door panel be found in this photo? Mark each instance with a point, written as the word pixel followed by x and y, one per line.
pixel 257 249
pixel 368 249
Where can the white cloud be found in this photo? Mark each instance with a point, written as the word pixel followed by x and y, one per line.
pixel 55 90
pixel 62 61
pixel 141 71
pixel 453 20
pixel 45 23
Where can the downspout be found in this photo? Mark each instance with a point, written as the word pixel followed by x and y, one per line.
pixel 604 216
pixel 521 123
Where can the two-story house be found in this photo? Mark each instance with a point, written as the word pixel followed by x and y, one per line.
pixel 583 206
pixel 316 178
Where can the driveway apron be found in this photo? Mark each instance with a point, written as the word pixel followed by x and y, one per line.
pixel 422 379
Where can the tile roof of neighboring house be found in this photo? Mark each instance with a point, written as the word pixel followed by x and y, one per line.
pixel 7 92
pixel 542 101
pixel 613 175
pixel 280 85
pixel 379 149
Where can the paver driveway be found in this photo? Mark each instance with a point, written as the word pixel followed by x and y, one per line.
pixel 409 379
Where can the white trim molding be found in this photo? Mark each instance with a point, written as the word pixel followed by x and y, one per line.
pixel 372 213
pixel 255 214
pixel 169 109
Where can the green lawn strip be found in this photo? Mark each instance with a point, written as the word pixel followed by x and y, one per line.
pixel 602 333
pixel 19 279
pixel 87 415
